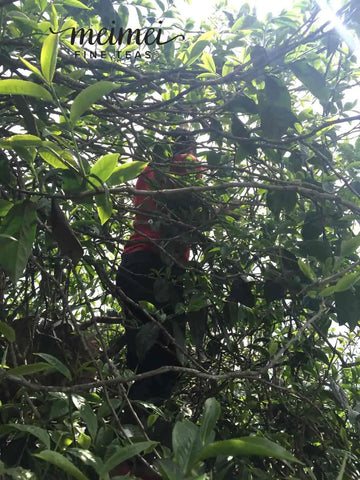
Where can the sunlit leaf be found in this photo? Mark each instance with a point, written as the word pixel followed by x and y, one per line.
pixel 32 68
pixel 247 446
pixel 23 87
pixel 89 96
pixel 126 172
pixel 20 141
pixel 105 166
pixel 56 156
pixel 48 56
pixel 75 4
pixel 346 282
pixel 5 206
pixel 208 62
pixel 198 47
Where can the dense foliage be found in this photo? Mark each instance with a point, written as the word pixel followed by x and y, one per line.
pixel 273 104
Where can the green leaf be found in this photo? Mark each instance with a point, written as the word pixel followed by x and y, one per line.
pixel 20 141
pixel 90 419
pixel 242 104
pixel 313 80
pixel 347 305
pixel 346 282
pixel 23 87
pixel 319 249
pixel 86 413
pixel 275 289
pixel 227 68
pixel 326 292
pixel 151 420
pixel 26 153
pixel 5 206
pixel 343 466
pixel 247 446
pixel 56 156
pixel 87 457
pixel 276 93
pixel 32 68
pixel 208 62
pixel 207 75
pixel 186 444
pixel 259 56
pixel 238 129
pixel 306 269
pixel 72 181
pixel 313 226
pixel 84 441
pixel 37 432
pixel 123 13
pixel 25 21
pixel 348 247
pixel 126 172
pixel 281 200
pixel 75 4
pixel 197 321
pixel 123 453
pixel 105 166
pixel 49 56
pixel 7 331
pixel 198 47
pixel 29 369
pixel 61 462
pixel 169 470
pixel 54 17
pixel 197 302
pixel 89 96
pixel 209 418
pixel 20 223
pixel 275 120
pixel 6 177
pixel 56 364
pixel 104 207
pixel 245 22
pixel 238 25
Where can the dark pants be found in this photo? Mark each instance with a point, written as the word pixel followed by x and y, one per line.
pixel 147 346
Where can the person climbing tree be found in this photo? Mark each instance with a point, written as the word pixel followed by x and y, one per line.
pixel 156 254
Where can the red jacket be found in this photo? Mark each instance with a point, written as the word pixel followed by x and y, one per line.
pixel 146 237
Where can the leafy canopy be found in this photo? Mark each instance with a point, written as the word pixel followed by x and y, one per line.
pixel 274 105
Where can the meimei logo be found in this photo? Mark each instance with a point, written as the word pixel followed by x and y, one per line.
pixel 147 36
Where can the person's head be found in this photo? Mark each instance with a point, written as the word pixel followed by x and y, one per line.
pixel 184 142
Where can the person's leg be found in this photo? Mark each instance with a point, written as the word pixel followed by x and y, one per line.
pixel 136 278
